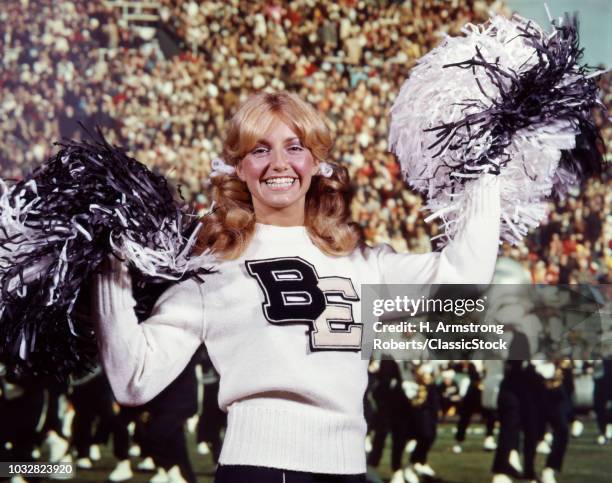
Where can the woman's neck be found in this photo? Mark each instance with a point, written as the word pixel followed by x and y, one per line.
pixel 285 217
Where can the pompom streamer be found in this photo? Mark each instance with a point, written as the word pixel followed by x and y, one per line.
pixel 58 224
pixel 509 99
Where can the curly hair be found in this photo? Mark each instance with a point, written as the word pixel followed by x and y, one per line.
pixel 228 230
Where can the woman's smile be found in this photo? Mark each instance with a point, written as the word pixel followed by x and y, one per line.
pixel 281 183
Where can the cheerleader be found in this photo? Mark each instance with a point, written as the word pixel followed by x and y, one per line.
pixel 288 260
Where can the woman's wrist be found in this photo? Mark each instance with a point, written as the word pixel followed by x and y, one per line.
pixel 113 288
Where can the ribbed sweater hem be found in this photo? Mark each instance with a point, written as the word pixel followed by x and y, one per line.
pixel 299 439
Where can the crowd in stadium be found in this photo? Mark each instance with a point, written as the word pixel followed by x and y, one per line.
pixel 81 61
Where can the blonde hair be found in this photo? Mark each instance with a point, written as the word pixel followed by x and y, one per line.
pixel 229 229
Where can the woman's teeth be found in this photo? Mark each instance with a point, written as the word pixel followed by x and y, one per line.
pixel 280 183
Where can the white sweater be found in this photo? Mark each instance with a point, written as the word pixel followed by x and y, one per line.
pixel 293 394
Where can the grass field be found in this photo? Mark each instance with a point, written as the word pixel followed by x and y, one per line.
pixel 585 462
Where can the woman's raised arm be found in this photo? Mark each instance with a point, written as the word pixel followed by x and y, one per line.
pixel 140 360
pixel 468 259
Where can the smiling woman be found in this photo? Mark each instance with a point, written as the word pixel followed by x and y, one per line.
pixel 280 315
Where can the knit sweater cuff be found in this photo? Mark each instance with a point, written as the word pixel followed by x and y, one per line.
pixel 485 199
pixel 114 290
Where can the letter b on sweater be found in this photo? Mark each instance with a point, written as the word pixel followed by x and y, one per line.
pixel 294 293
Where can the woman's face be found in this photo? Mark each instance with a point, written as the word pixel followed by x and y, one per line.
pixel 278 171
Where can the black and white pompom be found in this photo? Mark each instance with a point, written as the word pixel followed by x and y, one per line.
pixel 58 224
pixel 506 98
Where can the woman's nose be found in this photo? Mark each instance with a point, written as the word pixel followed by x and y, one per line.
pixel 279 160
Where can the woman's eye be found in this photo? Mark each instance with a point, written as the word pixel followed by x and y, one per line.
pixel 296 148
pixel 259 151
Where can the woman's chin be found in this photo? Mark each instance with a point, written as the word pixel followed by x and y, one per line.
pixel 281 204
pixel 280 201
